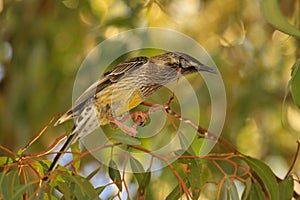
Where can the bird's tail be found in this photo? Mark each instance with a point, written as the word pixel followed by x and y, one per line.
pixel 70 140
pixel 85 123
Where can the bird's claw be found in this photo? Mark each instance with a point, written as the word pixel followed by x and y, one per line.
pixel 139 118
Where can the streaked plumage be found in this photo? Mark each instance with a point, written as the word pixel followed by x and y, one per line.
pixel 124 87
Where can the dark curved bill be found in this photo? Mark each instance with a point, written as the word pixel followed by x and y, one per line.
pixel 205 68
pixel 196 63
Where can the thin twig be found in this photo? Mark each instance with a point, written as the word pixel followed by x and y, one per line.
pixel 92 150
pixel 185 188
pixel 7 150
pixel 49 149
pixel 294 161
pixel 38 135
pixel 123 174
pixel 209 135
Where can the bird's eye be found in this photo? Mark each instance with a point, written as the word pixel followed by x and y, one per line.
pixel 182 61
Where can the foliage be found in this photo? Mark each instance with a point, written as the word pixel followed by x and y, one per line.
pixel 295 80
pixel 258 179
pixel 254 43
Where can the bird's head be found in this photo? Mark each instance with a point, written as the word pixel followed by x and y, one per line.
pixel 183 63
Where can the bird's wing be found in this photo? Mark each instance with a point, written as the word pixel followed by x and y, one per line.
pixel 107 79
pixel 126 66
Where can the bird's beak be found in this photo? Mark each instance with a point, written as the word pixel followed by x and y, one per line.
pixel 190 61
pixel 201 67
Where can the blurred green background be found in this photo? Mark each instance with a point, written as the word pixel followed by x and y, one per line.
pixel 42 44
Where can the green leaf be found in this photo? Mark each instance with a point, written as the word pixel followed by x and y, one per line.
pixel 144 183
pixel 286 188
pixel 228 191
pixel 179 152
pixel 8 183
pixel 194 178
pixel 75 150
pixel 177 192
pixel 234 195
pixel 256 193
pixel 266 175
pixel 185 144
pixel 20 190
pixel 64 189
pixel 146 180
pixel 206 173
pixel 246 192
pixel 77 188
pixel 10 187
pixel 40 166
pixel 142 177
pixel 138 169
pixel 5 160
pixel 115 174
pixel 136 166
pixel 45 164
pixel 100 189
pixel 295 83
pixel 222 193
pixel 192 172
pixel 68 128
pixel 274 16
pixel 125 139
pixel 20 152
pixel 93 173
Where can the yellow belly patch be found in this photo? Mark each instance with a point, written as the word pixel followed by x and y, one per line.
pixel 134 101
pixel 122 102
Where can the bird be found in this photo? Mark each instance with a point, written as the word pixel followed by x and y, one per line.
pixel 121 89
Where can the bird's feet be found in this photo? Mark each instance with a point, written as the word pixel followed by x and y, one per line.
pixel 139 119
